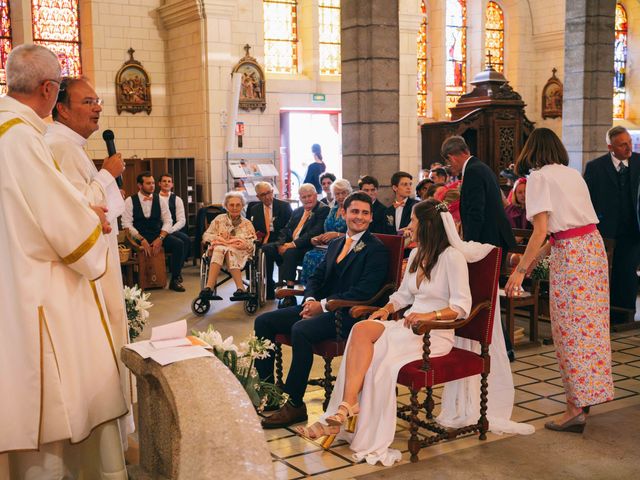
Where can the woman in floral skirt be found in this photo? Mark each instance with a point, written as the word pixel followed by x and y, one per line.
pixel 558 203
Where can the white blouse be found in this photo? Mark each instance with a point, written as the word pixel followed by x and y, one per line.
pixel 562 192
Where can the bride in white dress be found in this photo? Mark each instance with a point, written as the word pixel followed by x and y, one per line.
pixel 436 285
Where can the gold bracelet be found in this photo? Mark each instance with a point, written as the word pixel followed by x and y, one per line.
pixel 438 315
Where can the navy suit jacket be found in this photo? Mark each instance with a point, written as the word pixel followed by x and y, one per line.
pixel 378 224
pixel 602 179
pixel 405 219
pixel 481 208
pixel 281 215
pixel 313 227
pixel 363 274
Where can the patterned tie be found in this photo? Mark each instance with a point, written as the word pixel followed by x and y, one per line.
pixel 622 177
pixel 303 220
pixel 267 223
pixel 345 249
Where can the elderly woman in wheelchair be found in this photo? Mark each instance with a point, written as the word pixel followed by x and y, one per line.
pixel 231 243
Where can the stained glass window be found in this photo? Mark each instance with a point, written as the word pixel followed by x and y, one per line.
pixel 280 36
pixel 422 62
pixel 5 42
pixel 494 35
pixel 456 45
pixel 620 63
pixel 56 25
pixel 329 15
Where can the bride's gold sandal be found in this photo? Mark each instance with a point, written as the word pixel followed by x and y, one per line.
pixel 319 432
pixel 339 418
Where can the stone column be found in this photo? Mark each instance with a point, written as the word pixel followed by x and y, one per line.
pixel 370 89
pixel 588 78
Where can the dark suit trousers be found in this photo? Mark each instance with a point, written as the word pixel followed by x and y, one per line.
pixel 175 247
pixel 304 333
pixel 186 241
pixel 624 281
pixel 287 262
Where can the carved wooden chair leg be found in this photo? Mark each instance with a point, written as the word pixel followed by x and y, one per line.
pixel 278 360
pixel 414 441
pixel 429 404
pixel 484 423
pixel 328 384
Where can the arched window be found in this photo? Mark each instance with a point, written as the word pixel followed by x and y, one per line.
pixel 494 35
pixel 56 25
pixel 280 36
pixel 329 40
pixel 620 63
pixel 5 42
pixel 456 45
pixel 422 62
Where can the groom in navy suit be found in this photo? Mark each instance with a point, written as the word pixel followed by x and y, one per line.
pixel 354 268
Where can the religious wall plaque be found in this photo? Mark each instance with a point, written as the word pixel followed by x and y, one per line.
pixel 552 97
pixel 133 88
pixel 252 83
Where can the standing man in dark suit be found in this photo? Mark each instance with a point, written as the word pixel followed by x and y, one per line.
pixel 294 240
pixel 354 268
pixel 613 181
pixel 398 215
pixel 269 216
pixel 481 209
pixel 369 185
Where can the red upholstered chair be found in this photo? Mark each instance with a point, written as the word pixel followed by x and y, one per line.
pixel 459 363
pixel 329 349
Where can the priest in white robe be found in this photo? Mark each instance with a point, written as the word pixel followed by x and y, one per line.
pixel 76 115
pixel 59 377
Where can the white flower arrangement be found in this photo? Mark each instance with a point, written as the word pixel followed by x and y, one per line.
pixel 137 305
pixel 240 360
pixel 359 247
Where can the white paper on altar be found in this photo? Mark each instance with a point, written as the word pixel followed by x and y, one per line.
pixel 169 344
pixel 169 331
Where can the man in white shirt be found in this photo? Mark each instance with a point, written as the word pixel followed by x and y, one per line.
pixel 613 180
pixel 149 221
pixel 59 377
pixel 179 229
pixel 76 114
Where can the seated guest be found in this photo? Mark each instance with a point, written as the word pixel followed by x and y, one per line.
pixel 398 215
pixel 450 194
pixel 354 268
pixel 294 240
pixel 176 207
pixel 435 287
pixel 422 187
pixel 516 209
pixel 334 226
pixel 149 222
pixel 230 238
pixel 431 190
pixel 326 180
pixel 439 175
pixel 370 185
pixel 269 215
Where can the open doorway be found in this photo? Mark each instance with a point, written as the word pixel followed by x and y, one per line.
pixel 300 130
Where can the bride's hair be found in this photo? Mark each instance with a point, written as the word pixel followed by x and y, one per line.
pixel 431 236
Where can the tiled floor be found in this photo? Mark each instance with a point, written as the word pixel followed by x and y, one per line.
pixel 539 394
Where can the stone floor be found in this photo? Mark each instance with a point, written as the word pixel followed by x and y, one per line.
pixel 539 393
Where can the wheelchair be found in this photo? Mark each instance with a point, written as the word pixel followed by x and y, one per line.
pixel 255 271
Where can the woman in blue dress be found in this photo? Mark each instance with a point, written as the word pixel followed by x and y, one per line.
pixel 334 226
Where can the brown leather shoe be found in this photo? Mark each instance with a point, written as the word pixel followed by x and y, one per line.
pixel 287 415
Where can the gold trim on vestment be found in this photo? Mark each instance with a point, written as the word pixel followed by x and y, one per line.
pixel 84 247
pixel 105 326
pixel 55 164
pixel 106 268
pixel 8 124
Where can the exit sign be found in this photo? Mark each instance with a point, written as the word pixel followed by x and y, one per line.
pixel 318 97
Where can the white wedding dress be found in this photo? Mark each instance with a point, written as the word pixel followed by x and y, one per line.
pixel 397 346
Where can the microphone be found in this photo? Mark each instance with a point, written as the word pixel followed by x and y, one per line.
pixel 108 138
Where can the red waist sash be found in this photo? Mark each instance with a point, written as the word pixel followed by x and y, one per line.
pixel 572 233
